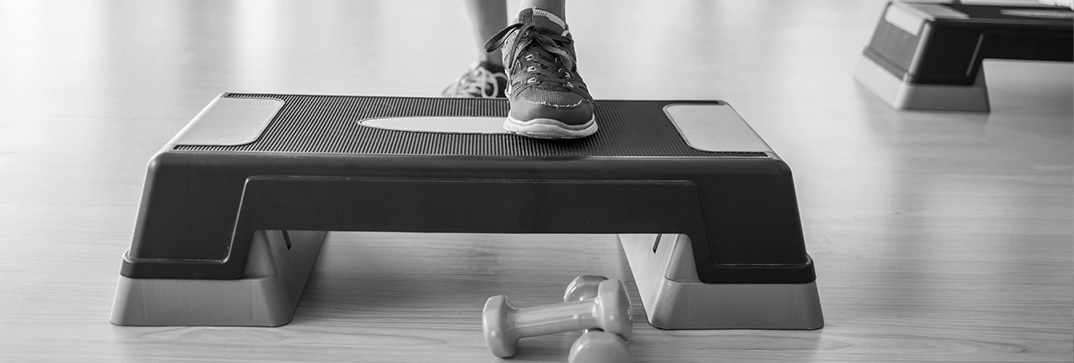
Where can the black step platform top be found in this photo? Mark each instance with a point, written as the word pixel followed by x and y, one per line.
pixel 330 124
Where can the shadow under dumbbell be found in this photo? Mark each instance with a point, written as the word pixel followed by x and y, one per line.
pixel 543 348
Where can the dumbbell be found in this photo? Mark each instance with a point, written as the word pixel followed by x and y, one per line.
pixel 594 346
pixel 504 324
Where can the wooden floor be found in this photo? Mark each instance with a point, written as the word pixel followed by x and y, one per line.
pixel 937 236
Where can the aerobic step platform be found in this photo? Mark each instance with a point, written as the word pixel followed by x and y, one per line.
pixel 928 56
pixel 236 207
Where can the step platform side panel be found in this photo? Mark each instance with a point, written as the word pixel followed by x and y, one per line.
pixel 189 224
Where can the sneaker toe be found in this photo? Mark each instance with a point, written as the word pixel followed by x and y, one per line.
pixel 566 107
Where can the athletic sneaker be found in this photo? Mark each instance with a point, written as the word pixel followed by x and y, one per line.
pixel 548 98
pixel 478 82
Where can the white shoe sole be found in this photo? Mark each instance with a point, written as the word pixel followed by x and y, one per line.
pixel 546 128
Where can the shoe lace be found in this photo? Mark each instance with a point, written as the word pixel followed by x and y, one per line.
pixel 477 82
pixel 544 54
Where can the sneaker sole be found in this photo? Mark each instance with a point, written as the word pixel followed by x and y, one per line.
pixel 546 128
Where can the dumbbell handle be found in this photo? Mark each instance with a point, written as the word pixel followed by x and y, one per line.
pixel 582 288
pixel 557 318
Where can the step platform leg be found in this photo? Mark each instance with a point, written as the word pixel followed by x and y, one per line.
pixel 277 268
pixel 674 297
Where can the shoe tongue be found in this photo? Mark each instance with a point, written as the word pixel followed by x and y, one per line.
pixel 542 19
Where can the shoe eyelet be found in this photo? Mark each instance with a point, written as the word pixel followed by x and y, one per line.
pixel 570 85
pixel 531 80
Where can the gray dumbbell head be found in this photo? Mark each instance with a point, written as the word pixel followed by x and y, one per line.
pixel 611 297
pixel 599 347
pixel 495 320
pixel 583 287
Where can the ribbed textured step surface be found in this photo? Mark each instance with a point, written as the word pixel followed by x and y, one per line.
pixel 330 124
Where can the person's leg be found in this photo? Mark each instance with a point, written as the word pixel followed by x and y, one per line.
pixel 486 78
pixel 488 17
